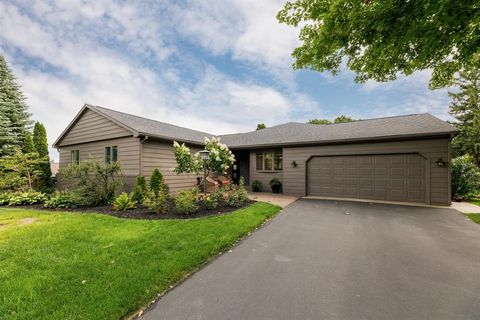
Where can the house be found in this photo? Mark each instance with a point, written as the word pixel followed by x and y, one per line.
pixel 403 158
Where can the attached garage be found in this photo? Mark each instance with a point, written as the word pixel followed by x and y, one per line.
pixel 388 177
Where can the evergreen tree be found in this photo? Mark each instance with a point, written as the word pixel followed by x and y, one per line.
pixel 41 146
pixel 156 182
pixel 465 107
pixel 27 143
pixel 14 117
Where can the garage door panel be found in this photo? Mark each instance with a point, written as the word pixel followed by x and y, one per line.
pixel 399 177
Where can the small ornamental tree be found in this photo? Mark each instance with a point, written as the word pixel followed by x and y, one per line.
pixel 19 170
pixel 219 160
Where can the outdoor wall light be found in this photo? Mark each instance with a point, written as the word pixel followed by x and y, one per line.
pixel 294 164
pixel 440 163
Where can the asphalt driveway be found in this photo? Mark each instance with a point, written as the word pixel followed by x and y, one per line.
pixel 313 261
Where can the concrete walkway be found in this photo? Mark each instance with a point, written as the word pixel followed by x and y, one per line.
pixel 322 259
pixel 278 199
pixel 465 207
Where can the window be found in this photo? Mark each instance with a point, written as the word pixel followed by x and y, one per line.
pixel 111 154
pixel 269 161
pixel 75 156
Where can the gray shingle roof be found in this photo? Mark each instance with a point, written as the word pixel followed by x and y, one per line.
pixel 144 126
pixel 291 133
pixel 380 128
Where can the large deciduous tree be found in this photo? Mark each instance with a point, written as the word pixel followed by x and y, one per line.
pixel 381 39
pixel 41 146
pixel 465 107
pixel 14 116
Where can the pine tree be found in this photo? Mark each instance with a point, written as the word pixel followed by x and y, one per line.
pixel 465 107
pixel 14 117
pixel 41 146
pixel 156 182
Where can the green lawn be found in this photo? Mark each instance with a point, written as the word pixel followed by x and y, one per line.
pixel 92 266
pixel 475 217
pixel 475 201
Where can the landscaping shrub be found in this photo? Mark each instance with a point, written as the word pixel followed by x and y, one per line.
pixel 238 196
pixel 218 195
pixel 465 178
pixel 4 198
pixel 123 202
pixel 210 202
pixel 276 185
pixel 95 182
pixel 140 190
pixel 156 203
pixel 62 199
pixel 186 201
pixel 156 182
pixel 27 197
pixel 256 186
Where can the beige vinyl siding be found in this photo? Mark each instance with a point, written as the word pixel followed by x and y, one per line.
pixel 437 179
pixel 159 155
pixel 128 154
pixel 92 126
pixel 263 176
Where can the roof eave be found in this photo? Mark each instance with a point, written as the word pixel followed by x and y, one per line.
pixel 446 134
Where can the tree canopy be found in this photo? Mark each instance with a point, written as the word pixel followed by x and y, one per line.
pixel 339 119
pixel 465 107
pixel 381 39
pixel 261 126
pixel 41 146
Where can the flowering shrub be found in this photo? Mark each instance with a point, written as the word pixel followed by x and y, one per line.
pixel 220 158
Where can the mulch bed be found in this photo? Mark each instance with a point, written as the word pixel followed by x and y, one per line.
pixel 142 212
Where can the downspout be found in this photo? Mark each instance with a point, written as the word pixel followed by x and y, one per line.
pixel 145 138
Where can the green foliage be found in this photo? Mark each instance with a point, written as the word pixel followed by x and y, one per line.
pixel 214 199
pixel 41 146
pixel 4 198
pixel 238 196
pixel 139 190
pixel 63 199
pixel 123 202
pixel 256 186
pixel 18 171
pixel 465 107
pixel 186 201
pixel 261 126
pixel 27 197
pixel 339 119
pixel 342 119
pixel 219 159
pixel 156 203
pixel 95 182
pixel 27 144
pixel 276 185
pixel 465 178
pixel 157 183
pixel 14 117
pixel 318 121
pixel 381 39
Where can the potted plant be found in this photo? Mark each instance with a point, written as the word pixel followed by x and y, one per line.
pixel 276 185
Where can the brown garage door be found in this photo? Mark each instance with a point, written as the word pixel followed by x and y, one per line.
pixel 393 177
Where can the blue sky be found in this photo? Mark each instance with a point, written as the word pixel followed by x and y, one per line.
pixel 217 66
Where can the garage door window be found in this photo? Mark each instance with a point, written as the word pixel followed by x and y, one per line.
pixel 269 161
